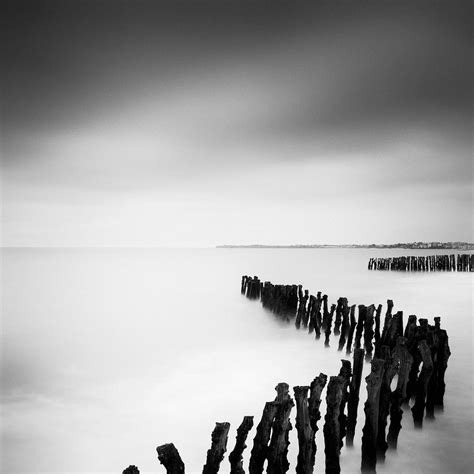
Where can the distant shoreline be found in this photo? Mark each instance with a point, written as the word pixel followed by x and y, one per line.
pixel 413 246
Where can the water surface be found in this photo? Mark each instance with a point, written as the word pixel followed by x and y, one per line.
pixel 107 353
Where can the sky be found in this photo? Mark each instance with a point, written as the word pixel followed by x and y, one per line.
pixel 204 123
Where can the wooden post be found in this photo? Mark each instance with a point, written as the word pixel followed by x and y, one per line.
pixel 371 409
pixel 390 369
pixel 235 457
pixel 305 461
pixel 345 373
pixel 418 408
pixel 442 364
pixel 131 470
pixel 351 330
pixel 168 456
pixel 215 454
pixel 369 331
pixel 360 325
pixel 316 388
pixel 401 355
pixel 353 401
pixel 331 425
pixel 278 449
pixel 345 327
pixel 260 442
pixel 327 331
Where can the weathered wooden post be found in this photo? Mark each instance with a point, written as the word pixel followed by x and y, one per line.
pixel 278 449
pixel 360 325
pixel 235 457
pixel 353 400
pixel 351 330
pixel 327 331
pixel 331 425
pixel 401 355
pixel 215 454
pixel 418 408
pixel 369 331
pixel 305 461
pixel 345 373
pixel 316 388
pixel 390 369
pixel 131 470
pixel 345 327
pixel 262 437
pixel 168 456
pixel 442 364
pixel 371 409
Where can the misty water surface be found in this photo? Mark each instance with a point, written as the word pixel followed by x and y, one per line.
pixel 108 353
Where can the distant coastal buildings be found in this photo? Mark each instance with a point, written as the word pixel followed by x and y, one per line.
pixel 412 245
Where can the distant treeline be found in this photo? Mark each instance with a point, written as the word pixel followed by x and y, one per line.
pixel 412 245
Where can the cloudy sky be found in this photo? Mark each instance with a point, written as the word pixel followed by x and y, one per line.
pixel 132 123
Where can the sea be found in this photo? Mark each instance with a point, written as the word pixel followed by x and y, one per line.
pixel 108 353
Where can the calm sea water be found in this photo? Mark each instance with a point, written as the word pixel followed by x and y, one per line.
pixel 107 354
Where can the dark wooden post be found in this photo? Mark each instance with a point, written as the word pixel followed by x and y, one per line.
pixel 278 449
pixel 235 457
pixel 316 388
pixel 344 327
pixel 305 461
pixel 390 369
pixel 345 373
pixel 418 408
pixel 168 456
pixel 353 401
pixel 327 331
pixel 369 331
pixel 360 325
pixel 401 355
pixel 260 442
pixel 331 425
pixel 371 409
pixel 215 454
pixel 351 330
pixel 442 364
pixel 131 470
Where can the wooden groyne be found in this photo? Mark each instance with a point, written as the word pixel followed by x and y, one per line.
pixel 425 263
pixel 416 354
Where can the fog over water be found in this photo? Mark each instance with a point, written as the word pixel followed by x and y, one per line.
pixel 108 353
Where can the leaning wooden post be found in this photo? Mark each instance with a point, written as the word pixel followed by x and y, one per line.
pixel 168 456
pixel 331 425
pixel 235 457
pixel 131 470
pixel 260 442
pixel 215 454
pixel 418 408
pixel 400 354
pixel 305 432
pixel 278 449
pixel 371 409
pixel 353 401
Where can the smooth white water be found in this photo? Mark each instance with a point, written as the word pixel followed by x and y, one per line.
pixel 107 353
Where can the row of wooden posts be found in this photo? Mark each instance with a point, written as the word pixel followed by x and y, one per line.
pixel 425 263
pixel 394 351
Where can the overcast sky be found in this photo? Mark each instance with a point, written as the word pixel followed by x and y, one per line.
pixel 126 124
